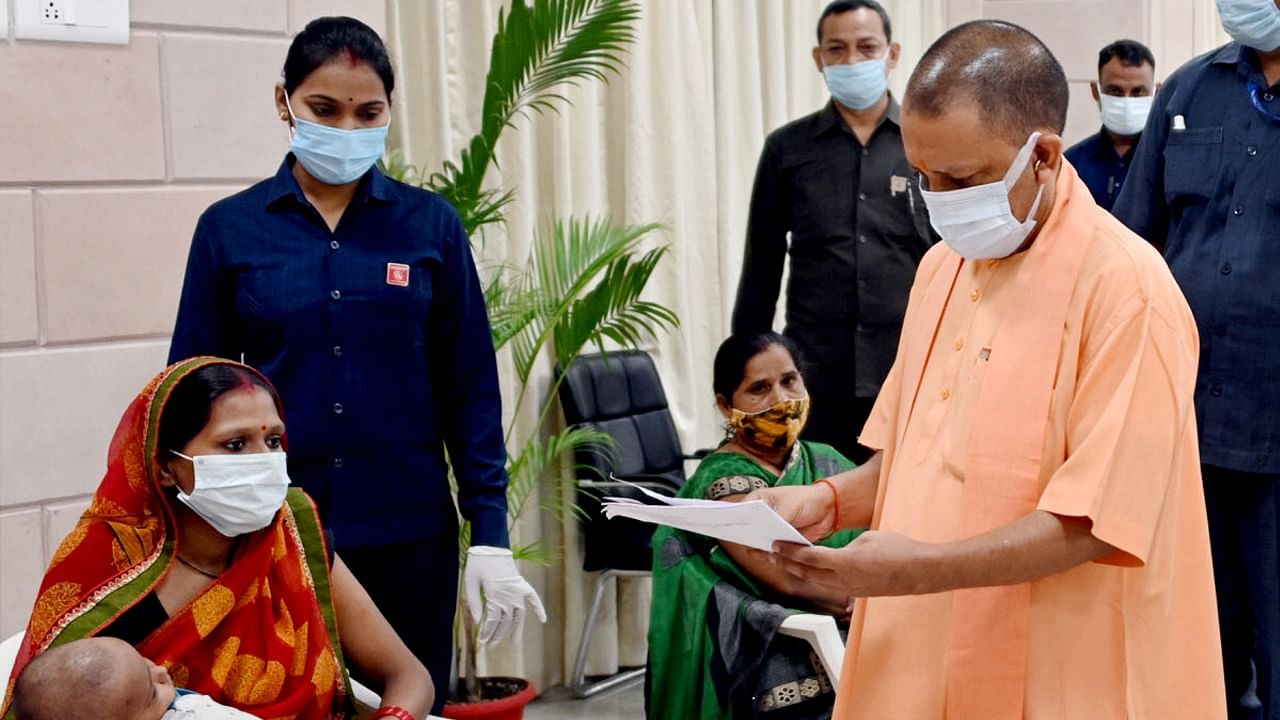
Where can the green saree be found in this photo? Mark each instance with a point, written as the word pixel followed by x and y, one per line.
pixel 713 649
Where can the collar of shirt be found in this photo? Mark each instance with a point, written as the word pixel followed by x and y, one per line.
pixel 373 186
pixel 831 120
pixel 1245 61
pixel 1104 148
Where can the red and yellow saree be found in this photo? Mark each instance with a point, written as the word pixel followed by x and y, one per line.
pixel 261 637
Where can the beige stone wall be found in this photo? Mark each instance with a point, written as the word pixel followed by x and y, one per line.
pixel 108 154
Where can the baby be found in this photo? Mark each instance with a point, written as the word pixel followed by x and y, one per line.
pixel 106 679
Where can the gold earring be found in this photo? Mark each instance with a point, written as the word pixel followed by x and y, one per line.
pixel 284 116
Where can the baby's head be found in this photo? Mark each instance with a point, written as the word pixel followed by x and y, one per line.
pixel 102 678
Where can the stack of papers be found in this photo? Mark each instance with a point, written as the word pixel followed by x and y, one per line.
pixel 752 523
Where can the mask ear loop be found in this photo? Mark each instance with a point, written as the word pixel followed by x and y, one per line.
pixel 293 119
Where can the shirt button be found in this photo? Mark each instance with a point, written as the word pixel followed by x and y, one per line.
pixel 337 462
pixel 862 239
pixel 1237 211
pixel 335 294
pixel 945 394
pixel 1226 268
pixel 862 196
pixel 974 295
pixel 337 408
pixel 866 151
pixel 335 244
pixel 1216 391
pixel 1251 151
pixel 1268 96
pixel 337 351
pixel 958 344
pixel 859 327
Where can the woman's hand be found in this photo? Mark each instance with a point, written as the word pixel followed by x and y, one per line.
pixel 370 643
pixel 811 509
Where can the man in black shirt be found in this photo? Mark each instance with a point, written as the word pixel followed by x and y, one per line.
pixel 839 183
pixel 1124 90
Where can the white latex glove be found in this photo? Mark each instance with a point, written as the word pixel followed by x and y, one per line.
pixel 491 572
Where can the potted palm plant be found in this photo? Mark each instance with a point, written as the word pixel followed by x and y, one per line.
pixel 581 286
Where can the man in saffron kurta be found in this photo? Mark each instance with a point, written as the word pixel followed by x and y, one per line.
pixel 1039 544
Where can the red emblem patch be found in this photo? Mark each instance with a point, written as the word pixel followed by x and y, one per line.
pixel 398 274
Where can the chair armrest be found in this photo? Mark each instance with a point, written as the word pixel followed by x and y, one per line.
pixel 366 700
pixel 699 454
pixel 821 632
pixel 651 482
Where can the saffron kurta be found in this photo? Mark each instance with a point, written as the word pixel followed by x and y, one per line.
pixel 1132 635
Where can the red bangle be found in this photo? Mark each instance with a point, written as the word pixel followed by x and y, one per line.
pixel 835 503
pixel 392 711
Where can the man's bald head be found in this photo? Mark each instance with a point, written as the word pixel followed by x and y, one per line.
pixel 998 67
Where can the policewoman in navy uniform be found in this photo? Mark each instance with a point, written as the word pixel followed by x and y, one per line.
pixel 358 296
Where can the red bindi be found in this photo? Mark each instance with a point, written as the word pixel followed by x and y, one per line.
pixel 264 428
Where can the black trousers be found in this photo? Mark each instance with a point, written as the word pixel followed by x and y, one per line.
pixel 415 585
pixel 1244 522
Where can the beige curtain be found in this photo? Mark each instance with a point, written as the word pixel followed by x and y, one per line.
pixel 674 138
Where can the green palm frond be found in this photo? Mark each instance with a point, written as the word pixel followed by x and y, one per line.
pixel 582 258
pixel 540 458
pixel 613 310
pixel 537 49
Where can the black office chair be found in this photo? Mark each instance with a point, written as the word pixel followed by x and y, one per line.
pixel 619 393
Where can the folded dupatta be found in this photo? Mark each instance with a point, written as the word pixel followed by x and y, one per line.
pixel 261 637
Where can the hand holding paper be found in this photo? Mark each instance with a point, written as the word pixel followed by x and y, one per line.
pixel 751 523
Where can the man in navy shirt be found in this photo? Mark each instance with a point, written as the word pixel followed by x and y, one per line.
pixel 1205 186
pixel 1126 82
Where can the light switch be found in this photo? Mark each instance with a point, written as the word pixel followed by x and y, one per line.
pixel 89 21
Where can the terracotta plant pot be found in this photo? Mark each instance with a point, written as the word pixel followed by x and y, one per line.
pixel 511 695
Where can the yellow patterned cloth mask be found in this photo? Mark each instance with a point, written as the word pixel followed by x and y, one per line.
pixel 771 429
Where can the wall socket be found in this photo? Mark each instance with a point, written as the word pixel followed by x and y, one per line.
pixel 53 12
pixel 85 21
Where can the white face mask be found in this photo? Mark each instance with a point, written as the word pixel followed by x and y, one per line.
pixel 237 494
pixel 976 221
pixel 1125 116
pixel 859 85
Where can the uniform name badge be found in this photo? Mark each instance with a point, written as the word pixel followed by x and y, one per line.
pixel 398 274
pixel 897 184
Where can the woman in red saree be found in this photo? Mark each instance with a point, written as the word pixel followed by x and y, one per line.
pixel 188 552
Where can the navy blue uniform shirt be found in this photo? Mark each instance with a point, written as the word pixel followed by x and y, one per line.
pixel 1205 184
pixel 377 338
pixel 1100 167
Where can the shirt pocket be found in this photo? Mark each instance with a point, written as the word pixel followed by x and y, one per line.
pixel 1191 165
pixel 262 301
pixel 393 297
pixel 959 424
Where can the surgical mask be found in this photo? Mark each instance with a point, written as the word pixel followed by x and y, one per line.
pixel 976 221
pixel 237 494
pixel 771 429
pixel 1255 23
pixel 859 85
pixel 332 155
pixel 1125 116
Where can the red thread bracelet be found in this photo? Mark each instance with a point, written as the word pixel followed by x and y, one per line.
pixel 392 711
pixel 835 503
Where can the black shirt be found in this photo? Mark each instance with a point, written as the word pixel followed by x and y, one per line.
pixel 1100 167
pixel 1205 184
pixel 858 228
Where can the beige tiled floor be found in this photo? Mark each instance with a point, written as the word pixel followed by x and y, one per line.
pixel 558 704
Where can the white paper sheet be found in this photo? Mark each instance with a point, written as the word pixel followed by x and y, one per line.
pixel 752 523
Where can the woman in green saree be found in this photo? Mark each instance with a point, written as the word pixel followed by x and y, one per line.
pixel 714 650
